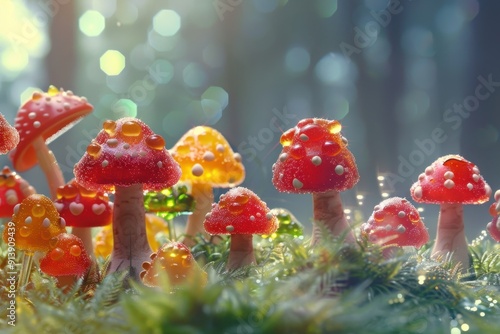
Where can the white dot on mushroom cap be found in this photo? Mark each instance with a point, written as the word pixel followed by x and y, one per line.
pixel 344 140
pixel 46 222
pixel 28 220
pixel 237 157
pixel 376 208
pixel 421 177
pixel 488 190
pixel 297 184
pixel 449 184
pixel 230 228
pixel 36 124
pixel 281 176
pixel 401 214
pixel 269 215
pixel 429 170
pixel 304 137
pixel 31 115
pixel 105 163
pixel 497 195
pixel 470 186
pixel 220 148
pixel 449 175
pixel 283 157
pixel 159 164
pixel 475 170
pixel 16 208
pixel 316 160
pixel 197 170
pixel 475 177
pixel 126 146
pixel 62 222
pixel 339 170
pixel 118 154
pixel 11 197
pixel 258 215
pixel 401 229
pixel 388 227
pixel 59 206
pixel 252 218
pixel 208 215
pixel 418 192
pixel 112 142
pixel 208 156
pixel 66 106
pixel 142 154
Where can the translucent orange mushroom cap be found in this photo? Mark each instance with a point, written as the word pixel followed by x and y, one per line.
pixel 206 157
pixel 37 223
pixel 13 189
pixel 9 137
pixel 66 258
pixel 176 261
pixel 127 152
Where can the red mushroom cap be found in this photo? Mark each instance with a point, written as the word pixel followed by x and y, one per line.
pixel 451 179
pixel 46 115
pixel 81 207
pixel 66 258
pixel 124 153
pixel 314 158
pixel 395 221
pixel 13 189
pixel 240 211
pixel 9 137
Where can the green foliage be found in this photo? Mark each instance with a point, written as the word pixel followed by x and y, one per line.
pixel 335 287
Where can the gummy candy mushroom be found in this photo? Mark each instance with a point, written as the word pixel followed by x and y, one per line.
pixel 9 137
pixel 240 213
pixel 67 261
pixel 451 181
pixel 127 157
pixel 41 120
pixel 395 221
pixel 493 227
pixel 34 226
pixel 13 189
pixel 176 261
pixel 315 159
pixel 288 225
pixel 83 209
pixel 207 162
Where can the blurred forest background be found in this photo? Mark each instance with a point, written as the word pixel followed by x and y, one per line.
pixel 402 76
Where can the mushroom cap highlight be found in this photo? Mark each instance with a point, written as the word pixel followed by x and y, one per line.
pixel 81 207
pixel 9 137
pixel 206 157
pixel 314 159
pixel 36 222
pixel 240 211
pixel 66 258
pixel 176 260
pixel 46 115
pixel 395 221
pixel 451 179
pixel 13 189
pixel 124 153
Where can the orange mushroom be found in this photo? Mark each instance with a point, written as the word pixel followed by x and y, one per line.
pixel 207 161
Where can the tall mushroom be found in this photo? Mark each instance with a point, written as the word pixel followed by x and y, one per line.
pixel 315 159
pixel 451 181
pixel 240 213
pixel 9 137
pixel 127 157
pixel 41 120
pixel 207 161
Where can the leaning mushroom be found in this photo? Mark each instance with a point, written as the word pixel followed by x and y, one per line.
pixel 13 189
pixel 9 137
pixel 127 157
pixel 451 181
pixel 207 161
pixel 315 159
pixel 67 261
pixel 493 227
pixel 240 213
pixel 41 120
pixel 395 221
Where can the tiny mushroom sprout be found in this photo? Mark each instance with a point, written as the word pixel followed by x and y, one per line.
pixel 395 221
pixel 315 159
pixel 13 189
pixel 67 260
pixel 41 120
pixel 493 227
pixel 127 157
pixel 34 226
pixel 9 137
pixel 83 209
pixel 176 263
pixel 451 181
pixel 288 225
pixel 240 213
pixel 207 161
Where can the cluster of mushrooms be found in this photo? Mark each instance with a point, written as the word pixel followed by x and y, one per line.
pixel 127 159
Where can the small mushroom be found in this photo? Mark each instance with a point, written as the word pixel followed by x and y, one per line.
pixel 321 165
pixel 9 137
pixel 493 227
pixel 13 189
pixel 240 213
pixel 288 225
pixel 451 181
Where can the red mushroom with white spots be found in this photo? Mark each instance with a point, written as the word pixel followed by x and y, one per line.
pixel 240 213
pixel 9 137
pixel 13 189
pixel 127 157
pixel 41 120
pixel 451 181
pixel 395 221
pixel 493 227
pixel 315 159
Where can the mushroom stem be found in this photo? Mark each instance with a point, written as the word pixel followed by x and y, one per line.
pixel 450 236
pixel 328 212
pixel 84 233
pixel 25 271
pixel 130 244
pixel 49 166
pixel 204 197
pixel 240 252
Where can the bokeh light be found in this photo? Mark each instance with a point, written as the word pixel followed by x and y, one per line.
pixel 194 75
pixel 112 62
pixel 297 60
pixel 167 22
pixel 326 8
pixel 124 108
pixel 92 23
